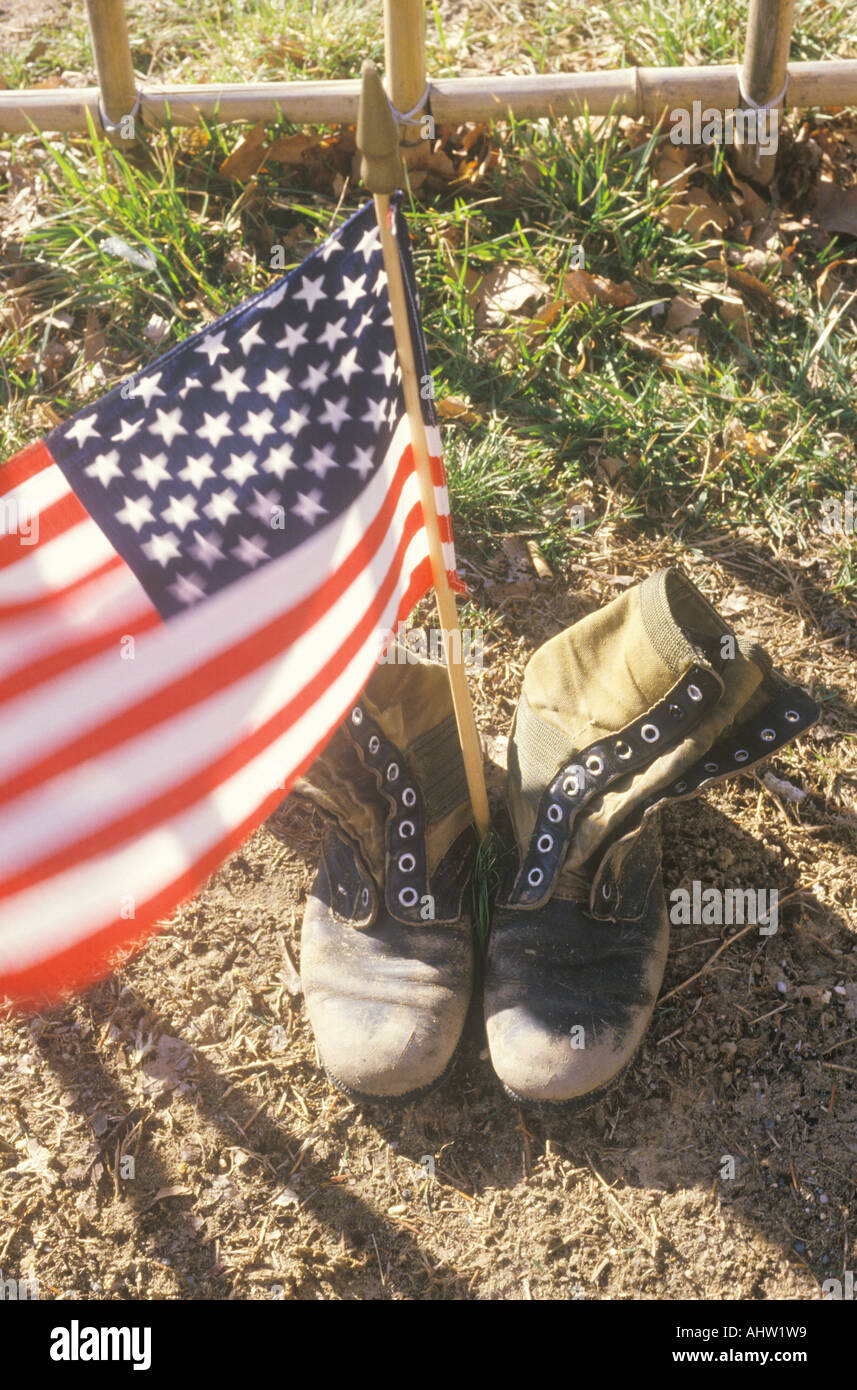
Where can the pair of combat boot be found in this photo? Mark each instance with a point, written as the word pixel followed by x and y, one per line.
pixel 644 702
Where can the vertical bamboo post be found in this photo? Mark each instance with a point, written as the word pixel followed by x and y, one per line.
pixel 381 172
pixel 766 56
pixel 114 67
pixel 405 61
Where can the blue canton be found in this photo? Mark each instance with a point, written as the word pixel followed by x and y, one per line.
pixel 240 443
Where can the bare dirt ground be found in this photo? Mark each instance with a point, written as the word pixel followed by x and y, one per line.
pixel 252 1178
pixel 19 18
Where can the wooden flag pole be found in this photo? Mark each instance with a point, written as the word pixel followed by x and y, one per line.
pixel 381 171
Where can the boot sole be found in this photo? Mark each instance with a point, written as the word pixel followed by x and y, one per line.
pixel 576 1105
pixel 367 1098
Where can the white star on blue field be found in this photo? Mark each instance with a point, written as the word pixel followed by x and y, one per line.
pixel 249 436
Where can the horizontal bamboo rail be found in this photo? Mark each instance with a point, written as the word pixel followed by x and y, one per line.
pixel 635 91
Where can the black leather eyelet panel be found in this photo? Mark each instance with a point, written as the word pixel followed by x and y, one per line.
pixel 635 747
pixel 789 714
pixel 407 869
pixel 347 888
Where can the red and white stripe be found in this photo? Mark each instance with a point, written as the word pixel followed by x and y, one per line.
pixel 125 782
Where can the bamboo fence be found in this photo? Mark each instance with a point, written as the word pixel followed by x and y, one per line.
pixel 766 80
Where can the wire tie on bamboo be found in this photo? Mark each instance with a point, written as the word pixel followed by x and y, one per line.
pixel 112 127
pixel 748 101
pixel 411 117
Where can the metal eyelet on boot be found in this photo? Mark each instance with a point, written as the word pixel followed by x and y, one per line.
pixel 554 813
pixel 622 749
pixel 357 715
pixel 792 716
pixel 711 767
pixel 675 712
pixel 374 743
pixel 650 733
pixel 768 735
pixel 594 764
pixel 742 755
pixel 571 784
pixel 409 797
pixel 393 772
pixel 680 787
pixel 408 897
pixel 534 877
pixel 407 829
pixel 544 844
pixel 364 897
pixel 694 693
pixel 407 863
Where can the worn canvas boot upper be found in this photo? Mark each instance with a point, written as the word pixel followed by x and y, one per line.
pixel 646 701
pixel 386 948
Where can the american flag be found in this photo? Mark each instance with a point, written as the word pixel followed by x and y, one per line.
pixel 195 574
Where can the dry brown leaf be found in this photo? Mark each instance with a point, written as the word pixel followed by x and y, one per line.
pixel 830 279
pixel 828 282
pixel 44 417
pixel 248 155
pixel 836 208
pixel 759 444
pixel 286 149
pixel 174 1061
pixel 734 313
pixel 545 318
pixel 507 290
pixel 94 345
pixel 236 260
pixel 17 309
pixel 687 218
pixel 440 164
pixel 507 593
pixel 744 280
pixel 671 168
pixel 458 409
pixel 753 206
pixel 683 311
pixel 683 359
pixel 718 213
pixel 467 135
pixel 611 466
pixel 583 288
pixel 448 235
pixel 635 132
pixel 687 359
pixel 531 172
pixel 516 555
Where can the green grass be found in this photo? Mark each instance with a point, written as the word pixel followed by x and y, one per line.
pixel 245 40
pixel 493 858
pixel 548 403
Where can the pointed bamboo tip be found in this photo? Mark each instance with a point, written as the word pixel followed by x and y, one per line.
pixel 377 136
